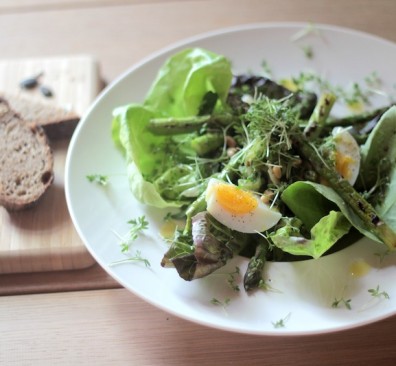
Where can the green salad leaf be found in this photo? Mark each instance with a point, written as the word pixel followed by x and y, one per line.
pixel 379 166
pixel 184 80
pixel 316 211
pixel 324 234
pixel 309 201
pixel 178 90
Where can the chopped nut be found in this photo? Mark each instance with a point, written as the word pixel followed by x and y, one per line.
pixel 267 196
pixel 275 173
pixel 230 141
pixel 231 151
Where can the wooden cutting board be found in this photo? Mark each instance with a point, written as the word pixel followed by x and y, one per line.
pixel 43 238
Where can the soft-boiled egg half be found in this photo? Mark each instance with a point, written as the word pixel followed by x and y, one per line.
pixel 239 209
pixel 347 154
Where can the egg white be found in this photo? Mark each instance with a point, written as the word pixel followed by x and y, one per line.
pixel 259 219
pixel 347 148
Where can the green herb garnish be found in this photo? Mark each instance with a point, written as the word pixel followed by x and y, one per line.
pixel 281 323
pixel 98 178
pixel 308 51
pixel 376 292
pixel 136 227
pixel 136 257
pixel 342 301
pixel 223 304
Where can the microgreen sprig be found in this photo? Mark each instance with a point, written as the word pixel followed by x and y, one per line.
pixel 136 257
pixel 223 304
pixel 100 179
pixel 281 323
pixel 310 28
pixel 136 227
pixel 308 51
pixel 342 301
pixel 376 292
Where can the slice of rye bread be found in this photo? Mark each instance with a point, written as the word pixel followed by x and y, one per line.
pixel 57 122
pixel 26 161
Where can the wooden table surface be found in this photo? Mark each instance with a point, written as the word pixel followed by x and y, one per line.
pixel 84 317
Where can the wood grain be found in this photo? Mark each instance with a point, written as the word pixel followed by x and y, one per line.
pixel 93 277
pixel 20 6
pixel 123 35
pixel 114 327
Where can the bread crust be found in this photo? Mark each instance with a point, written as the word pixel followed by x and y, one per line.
pixel 26 161
pixel 58 123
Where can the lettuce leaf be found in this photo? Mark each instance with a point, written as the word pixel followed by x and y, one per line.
pixel 379 166
pixel 324 234
pixel 177 91
pixel 307 200
pixel 146 191
pixel 130 133
pixel 185 78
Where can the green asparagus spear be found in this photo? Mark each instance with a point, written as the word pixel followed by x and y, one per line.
pixel 180 125
pixel 207 143
pixel 302 101
pixel 254 271
pixel 319 116
pixel 356 118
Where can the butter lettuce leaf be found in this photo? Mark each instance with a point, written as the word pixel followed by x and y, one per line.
pixel 304 198
pixel 130 133
pixel 309 201
pixel 185 79
pixel 177 91
pixel 318 224
pixel 146 191
pixel 324 234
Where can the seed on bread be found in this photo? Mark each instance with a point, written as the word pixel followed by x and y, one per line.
pixel 26 161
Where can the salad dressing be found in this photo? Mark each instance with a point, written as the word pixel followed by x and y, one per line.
pixel 167 230
pixel 359 268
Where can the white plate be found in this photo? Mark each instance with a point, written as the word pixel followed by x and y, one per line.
pixel 302 292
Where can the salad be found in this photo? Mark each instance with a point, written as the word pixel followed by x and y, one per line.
pixel 255 168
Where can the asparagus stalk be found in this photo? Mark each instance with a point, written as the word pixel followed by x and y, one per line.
pixel 303 101
pixel 356 119
pixel 207 143
pixel 254 271
pixel 179 125
pixel 319 116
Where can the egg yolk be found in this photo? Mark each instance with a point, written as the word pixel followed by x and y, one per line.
pixel 343 163
pixel 235 200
